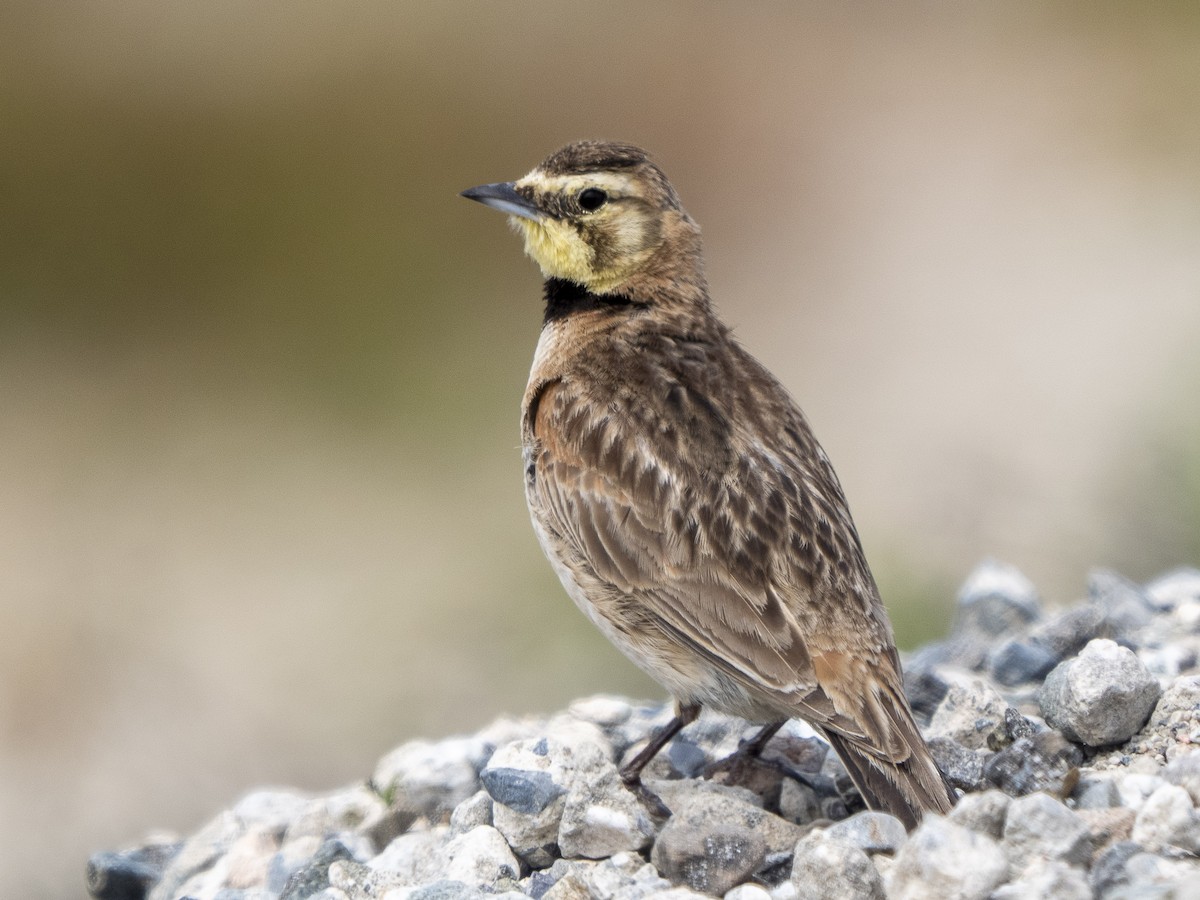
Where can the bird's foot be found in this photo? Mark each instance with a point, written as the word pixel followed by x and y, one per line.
pixel 747 755
pixel 658 810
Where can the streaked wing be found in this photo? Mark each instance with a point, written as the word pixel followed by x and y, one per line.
pixel 648 512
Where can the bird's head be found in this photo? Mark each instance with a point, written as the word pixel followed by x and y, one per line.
pixel 598 214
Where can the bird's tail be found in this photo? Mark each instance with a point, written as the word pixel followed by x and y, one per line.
pixel 906 789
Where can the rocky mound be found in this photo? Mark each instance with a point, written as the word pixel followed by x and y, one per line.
pixel 1073 736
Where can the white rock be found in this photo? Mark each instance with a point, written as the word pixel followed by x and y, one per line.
pixel 970 712
pixel 942 859
pixel 1040 826
pixel 1046 878
pixel 748 892
pixel 1136 787
pixel 1173 588
pixel 602 817
pixel 529 781
pixel 1101 697
pixel 870 831
pixel 474 811
pixel 984 812
pixel 432 777
pixel 996 596
pixel 1153 876
pixel 1168 819
pixel 413 857
pixel 1185 772
pixel 602 710
pixel 480 856
pixel 827 868
pixel 271 808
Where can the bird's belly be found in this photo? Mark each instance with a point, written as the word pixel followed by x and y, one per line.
pixel 687 676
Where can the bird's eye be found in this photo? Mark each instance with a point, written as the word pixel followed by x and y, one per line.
pixel 591 199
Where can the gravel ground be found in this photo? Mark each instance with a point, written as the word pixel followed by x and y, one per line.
pixel 1072 735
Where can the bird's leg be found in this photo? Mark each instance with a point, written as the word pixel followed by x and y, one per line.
pixel 631 773
pixel 750 749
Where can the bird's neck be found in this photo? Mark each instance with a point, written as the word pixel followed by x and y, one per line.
pixel 567 298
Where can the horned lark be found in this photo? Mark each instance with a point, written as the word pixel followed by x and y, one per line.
pixel 678 490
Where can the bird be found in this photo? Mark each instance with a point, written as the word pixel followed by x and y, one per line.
pixel 678 490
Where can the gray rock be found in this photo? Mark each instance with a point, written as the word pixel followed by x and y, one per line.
pixel 431 777
pixel 1152 876
pixel 971 714
pixel 1043 762
pixel 1068 632
pixel 476 810
pixel 687 757
pixel 1103 696
pixel 272 810
pixel 1108 874
pixel 942 859
pixel 1185 772
pixel 602 817
pixel 965 651
pixel 1169 662
pixel 984 812
pixel 1046 878
pixel 962 767
pixel 131 874
pixel 1126 607
pixel 529 781
pixel 197 855
pixel 359 881
pixel 826 867
pixel 354 809
pixel 1096 792
pixel 923 686
pixel 312 877
pixel 870 831
pixel 1021 660
pixel 1180 706
pixel 1040 826
pixel 541 883
pixel 443 889
pixel 1168 819
pixel 712 857
pixel 1174 588
pixel 625 875
pixel 996 599
pixel 522 790
pixel 412 858
pixel 678 792
pixel 481 857
pixel 798 802
pixel 1109 825
pixel 716 840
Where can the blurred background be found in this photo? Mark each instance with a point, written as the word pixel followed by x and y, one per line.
pixel 261 513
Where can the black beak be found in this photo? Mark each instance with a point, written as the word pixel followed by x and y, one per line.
pixel 503 196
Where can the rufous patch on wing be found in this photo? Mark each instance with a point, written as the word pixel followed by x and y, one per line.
pixel 832 669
